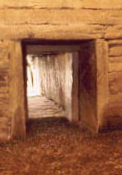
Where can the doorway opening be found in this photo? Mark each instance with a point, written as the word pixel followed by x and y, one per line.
pixel 60 80
pixel 47 84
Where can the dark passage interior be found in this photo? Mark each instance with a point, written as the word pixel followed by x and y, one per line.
pixel 60 80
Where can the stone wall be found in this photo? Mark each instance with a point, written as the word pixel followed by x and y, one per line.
pixel 4 90
pixel 115 67
pixel 99 20
pixel 56 79
pixel 61 19
pixel 113 110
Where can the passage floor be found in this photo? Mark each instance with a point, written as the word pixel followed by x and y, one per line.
pixel 41 107
pixel 56 147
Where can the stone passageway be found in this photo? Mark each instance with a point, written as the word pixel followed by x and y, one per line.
pixel 42 107
pixel 49 85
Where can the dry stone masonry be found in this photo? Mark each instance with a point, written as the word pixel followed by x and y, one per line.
pixel 97 21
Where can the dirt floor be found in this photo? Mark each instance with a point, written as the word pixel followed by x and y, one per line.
pixel 55 147
pixel 42 107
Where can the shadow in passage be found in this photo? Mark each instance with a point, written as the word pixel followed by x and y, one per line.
pixel 37 125
pixel 110 128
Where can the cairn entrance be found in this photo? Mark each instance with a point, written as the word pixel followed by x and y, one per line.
pixel 64 73
pixel 79 99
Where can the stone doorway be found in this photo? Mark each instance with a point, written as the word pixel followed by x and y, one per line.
pixel 76 95
pixel 49 72
pixel 86 90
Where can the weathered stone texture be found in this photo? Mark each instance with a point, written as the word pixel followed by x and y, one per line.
pixel 85 19
pixel 87 87
pixel 66 20
pixel 56 79
pixel 112 113
pixel 115 83
pixel 4 91
pixel 115 66
pixel 103 4
pixel 16 88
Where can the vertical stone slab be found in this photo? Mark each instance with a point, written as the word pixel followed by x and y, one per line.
pixel 88 86
pixel 5 119
pixel 102 79
pixel 75 87
pixel 68 85
pixel 17 99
